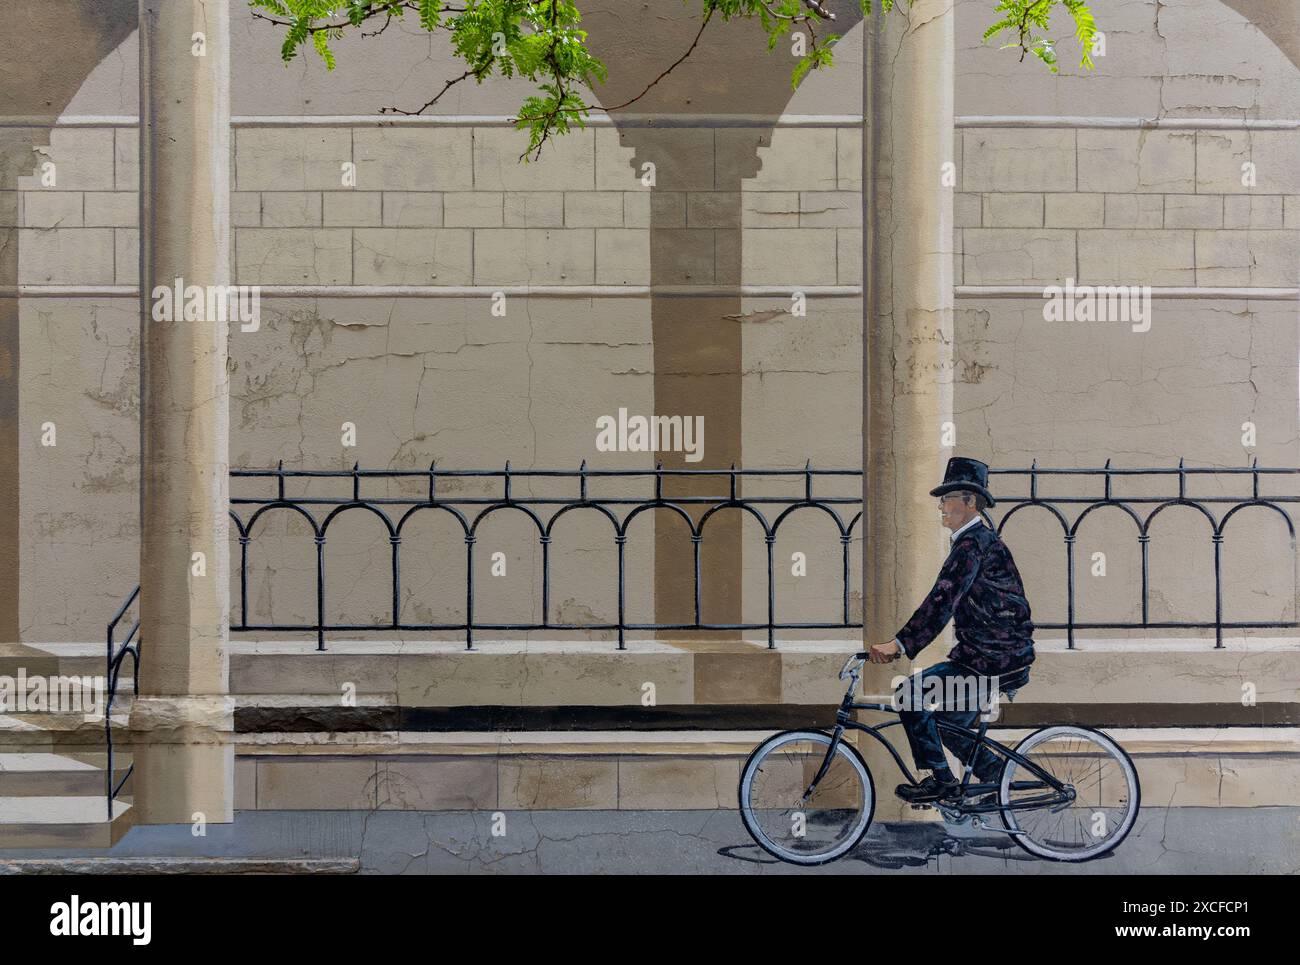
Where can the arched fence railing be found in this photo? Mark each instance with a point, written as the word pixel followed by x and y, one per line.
pixel 1071 509
pixel 1069 497
pixel 469 512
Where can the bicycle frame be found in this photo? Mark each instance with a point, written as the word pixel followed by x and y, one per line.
pixel 980 738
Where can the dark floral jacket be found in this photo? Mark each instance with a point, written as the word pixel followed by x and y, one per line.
pixel 979 588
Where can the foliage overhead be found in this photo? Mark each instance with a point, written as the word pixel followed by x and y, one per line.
pixel 542 41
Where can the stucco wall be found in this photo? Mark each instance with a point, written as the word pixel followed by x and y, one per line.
pixel 773 204
pixel 1059 180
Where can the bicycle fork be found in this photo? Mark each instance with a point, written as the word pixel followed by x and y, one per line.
pixel 826 763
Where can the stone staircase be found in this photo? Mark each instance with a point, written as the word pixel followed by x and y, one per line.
pixel 54 764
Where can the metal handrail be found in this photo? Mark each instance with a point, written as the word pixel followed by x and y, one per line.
pixel 115 656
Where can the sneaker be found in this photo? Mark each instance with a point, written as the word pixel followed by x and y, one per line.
pixel 930 789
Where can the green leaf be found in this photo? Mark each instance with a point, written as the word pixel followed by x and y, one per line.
pixel 321 42
pixel 541 40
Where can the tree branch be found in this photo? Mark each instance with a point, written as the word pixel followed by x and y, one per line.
pixel 436 97
pixel 627 103
pixel 331 26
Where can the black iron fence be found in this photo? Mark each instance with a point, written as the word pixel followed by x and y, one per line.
pixel 1071 509
pixel 395 512
pixel 1142 495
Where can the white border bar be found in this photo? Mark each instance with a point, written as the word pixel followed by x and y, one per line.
pixel 688 120
pixel 625 291
pixel 460 291
pixel 1162 123
pixel 1036 291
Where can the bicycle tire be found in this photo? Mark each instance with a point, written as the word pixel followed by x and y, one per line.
pixel 1105 740
pixel 750 768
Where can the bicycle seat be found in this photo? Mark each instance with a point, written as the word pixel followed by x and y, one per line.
pixel 1009 684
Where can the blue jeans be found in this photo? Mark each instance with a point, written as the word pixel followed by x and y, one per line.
pixel 954 707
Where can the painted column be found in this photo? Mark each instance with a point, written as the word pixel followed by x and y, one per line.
pixel 182 719
pixel 907 365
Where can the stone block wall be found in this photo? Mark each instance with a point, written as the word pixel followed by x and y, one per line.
pixel 450 210
pixel 1175 164
pixel 1056 178
pixel 1165 208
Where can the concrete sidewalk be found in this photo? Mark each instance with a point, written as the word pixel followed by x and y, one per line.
pixel 1214 841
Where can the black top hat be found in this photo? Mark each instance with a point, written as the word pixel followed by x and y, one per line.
pixel 965 475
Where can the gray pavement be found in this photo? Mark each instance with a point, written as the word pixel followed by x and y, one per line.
pixel 1176 841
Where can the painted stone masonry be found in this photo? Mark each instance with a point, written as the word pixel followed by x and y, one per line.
pixel 425 300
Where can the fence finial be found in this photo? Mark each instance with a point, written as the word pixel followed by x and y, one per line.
pixel 582 481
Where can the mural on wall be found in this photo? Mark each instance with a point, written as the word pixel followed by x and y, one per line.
pixel 777 435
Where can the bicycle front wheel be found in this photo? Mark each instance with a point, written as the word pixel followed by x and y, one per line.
pixel 794 821
pixel 1103 789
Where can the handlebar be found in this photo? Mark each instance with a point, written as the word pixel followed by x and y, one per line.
pixel 854 662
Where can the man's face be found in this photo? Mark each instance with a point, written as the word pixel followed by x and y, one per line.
pixel 955 511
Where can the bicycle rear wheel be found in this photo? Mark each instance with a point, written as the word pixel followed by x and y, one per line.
pixel 792 824
pixel 1102 779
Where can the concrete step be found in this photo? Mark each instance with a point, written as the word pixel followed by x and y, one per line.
pixel 687 770
pixel 52 762
pixel 32 661
pixel 35 732
pixel 69 659
pixel 43 774
pixel 60 821
pixel 1112 683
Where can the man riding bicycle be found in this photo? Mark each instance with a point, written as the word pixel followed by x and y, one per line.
pixel 980 590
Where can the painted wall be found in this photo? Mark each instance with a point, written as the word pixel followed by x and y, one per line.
pixel 769 204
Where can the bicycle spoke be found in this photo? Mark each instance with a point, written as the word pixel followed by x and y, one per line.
pixel 1103 803
pixel 794 823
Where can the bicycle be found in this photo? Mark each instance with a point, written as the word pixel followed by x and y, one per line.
pixel 807 796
